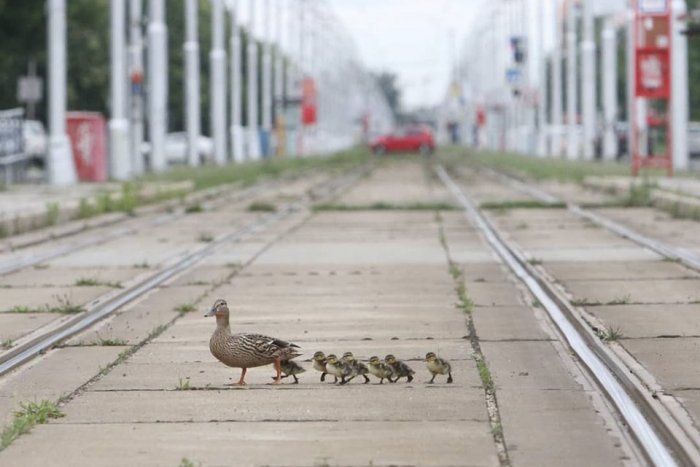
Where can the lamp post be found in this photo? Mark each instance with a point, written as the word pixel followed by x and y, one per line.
pixel 192 101
pixel 266 80
pixel 253 136
pixel 571 82
pixel 217 59
pixel 120 161
pixel 137 102
pixel 158 85
pixel 60 163
pixel 609 70
pixel 588 82
pixel 237 133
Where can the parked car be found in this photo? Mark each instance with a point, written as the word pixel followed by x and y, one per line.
pixel 694 140
pixel 408 139
pixel 35 141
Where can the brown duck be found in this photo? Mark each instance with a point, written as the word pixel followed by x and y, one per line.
pixel 246 350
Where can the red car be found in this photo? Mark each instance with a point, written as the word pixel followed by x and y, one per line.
pixel 410 139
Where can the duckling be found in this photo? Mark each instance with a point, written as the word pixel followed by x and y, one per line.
pixel 438 366
pixel 291 368
pixel 338 368
pixel 246 350
pixel 400 368
pixel 380 370
pixel 358 368
pixel 319 364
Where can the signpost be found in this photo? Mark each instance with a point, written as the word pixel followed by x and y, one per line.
pixel 651 108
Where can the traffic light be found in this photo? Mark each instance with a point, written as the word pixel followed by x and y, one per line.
pixel 517 45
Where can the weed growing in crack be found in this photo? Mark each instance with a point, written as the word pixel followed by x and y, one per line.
pixel 29 415
pixel 185 308
pixel 611 334
pixel 183 384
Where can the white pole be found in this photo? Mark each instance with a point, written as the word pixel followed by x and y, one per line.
pixel 136 54
pixel 557 95
pixel 237 134
pixel 679 86
pixel 192 102
pixel 253 136
pixel 279 73
pixel 120 161
pixel 217 60
pixel 61 165
pixel 542 103
pixel 588 83
pixel 158 85
pixel 267 78
pixel 571 83
pixel 609 89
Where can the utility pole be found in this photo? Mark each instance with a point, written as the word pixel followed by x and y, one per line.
pixel 267 81
pixel 120 161
pixel 192 101
pixel 557 95
pixel 237 134
pixel 157 83
pixel 279 81
pixel 609 70
pixel 588 82
pixel 253 136
pixel 679 85
pixel 217 59
pixel 60 163
pixel 571 82
pixel 542 88
pixel 136 59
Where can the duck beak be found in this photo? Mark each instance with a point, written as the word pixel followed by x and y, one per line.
pixel 210 312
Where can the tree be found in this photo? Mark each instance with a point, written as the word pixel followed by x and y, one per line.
pixel 387 82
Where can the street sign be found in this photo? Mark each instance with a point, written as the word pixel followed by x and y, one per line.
pixel 29 89
pixel 513 75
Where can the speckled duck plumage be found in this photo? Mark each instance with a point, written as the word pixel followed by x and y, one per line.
pixel 245 350
pixel 438 366
pixel 358 368
pixel 380 369
pixel 400 369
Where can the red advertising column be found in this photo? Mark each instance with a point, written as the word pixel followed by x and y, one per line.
pixel 87 133
pixel 651 144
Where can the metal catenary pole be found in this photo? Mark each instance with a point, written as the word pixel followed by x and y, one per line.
pixel 192 74
pixel 157 84
pixel 120 162
pixel 217 60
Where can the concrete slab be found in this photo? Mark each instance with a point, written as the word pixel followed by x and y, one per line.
pixel 631 271
pixel 16 325
pixel 639 291
pixel 57 373
pixel 636 321
pixel 41 298
pixel 668 360
pixel 257 443
pixel 330 402
pixel 507 323
pixel 568 431
pixel 64 277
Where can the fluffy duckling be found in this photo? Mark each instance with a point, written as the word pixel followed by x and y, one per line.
pixel 380 370
pixel 319 364
pixel 291 368
pixel 338 368
pixel 400 368
pixel 358 368
pixel 438 366
pixel 246 350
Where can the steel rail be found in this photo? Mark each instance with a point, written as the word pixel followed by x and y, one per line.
pixel 657 440
pixel 28 350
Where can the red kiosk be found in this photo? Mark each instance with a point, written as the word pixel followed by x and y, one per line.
pixel 652 68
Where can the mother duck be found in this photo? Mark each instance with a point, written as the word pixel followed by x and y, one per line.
pixel 246 350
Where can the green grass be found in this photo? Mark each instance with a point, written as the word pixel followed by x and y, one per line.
pixel 141 265
pixel 3 231
pixel 183 384
pixel 92 282
pixel 384 206
pixel 611 334
pixel 6 344
pixel 541 169
pixel 521 204
pixel 112 342
pixel 205 237
pixel 21 309
pixel 185 462
pixel 64 307
pixel 185 308
pixel 29 415
pixel 52 213
pixel 485 376
pixel 620 300
pixel 194 208
pixel 250 172
pixel 260 206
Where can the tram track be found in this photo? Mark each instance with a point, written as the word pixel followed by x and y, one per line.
pixel 662 436
pixel 55 332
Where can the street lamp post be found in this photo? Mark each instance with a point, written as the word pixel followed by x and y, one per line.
pixel 253 136
pixel 609 70
pixel 588 82
pixel 137 104
pixel 158 85
pixel 266 80
pixel 217 59
pixel 192 101
pixel 571 82
pixel 61 166
pixel 120 161
pixel 237 133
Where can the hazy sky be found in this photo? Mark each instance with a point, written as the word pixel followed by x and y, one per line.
pixel 409 37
